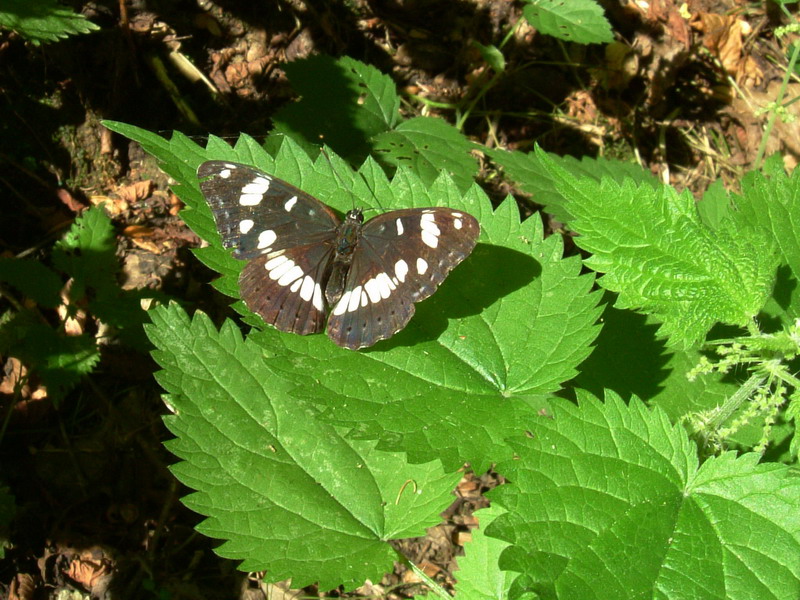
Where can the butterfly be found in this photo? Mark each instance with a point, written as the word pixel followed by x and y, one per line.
pixel 305 263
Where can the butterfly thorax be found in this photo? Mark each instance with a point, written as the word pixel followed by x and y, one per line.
pixel 347 236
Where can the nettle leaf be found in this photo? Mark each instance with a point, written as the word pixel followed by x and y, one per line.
pixel 773 203
pixel 580 21
pixel 57 359
pixel 660 257
pixel 88 254
pixel 42 20
pixel 351 102
pixel 287 493
pixel 356 112
pixel 33 279
pixel 87 251
pixel 608 501
pixel 534 178
pixel 428 146
pixel 509 325
pixel 631 360
pixel 479 575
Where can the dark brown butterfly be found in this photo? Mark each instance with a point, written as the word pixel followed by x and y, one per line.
pixel 305 262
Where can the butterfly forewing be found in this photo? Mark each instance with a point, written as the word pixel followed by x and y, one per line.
pixel 286 235
pixel 402 257
pixel 257 213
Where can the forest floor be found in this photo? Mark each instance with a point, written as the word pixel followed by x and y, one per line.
pixel 683 91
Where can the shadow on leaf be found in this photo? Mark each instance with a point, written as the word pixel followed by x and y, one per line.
pixel 489 274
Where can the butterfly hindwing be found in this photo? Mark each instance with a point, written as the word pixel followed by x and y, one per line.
pixel 402 257
pixel 257 213
pixel 287 288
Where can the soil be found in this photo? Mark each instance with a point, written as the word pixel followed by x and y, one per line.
pixel 680 91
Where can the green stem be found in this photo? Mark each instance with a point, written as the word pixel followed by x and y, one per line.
pixel 774 113
pixel 732 404
pixel 434 587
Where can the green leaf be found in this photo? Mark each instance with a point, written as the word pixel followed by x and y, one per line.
pixel 33 279
pixel 492 55
pixel 630 360
pixel 286 492
pixel 57 359
pixel 508 327
pixel 580 21
pixel 350 101
pixel 42 20
pixel 607 501
pixel 773 204
pixel 428 147
pixel 662 259
pixel 534 178
pixel 88 250
pixel 479 575
pixel 88 254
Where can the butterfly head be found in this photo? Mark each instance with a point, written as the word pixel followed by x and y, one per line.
pixel 356 215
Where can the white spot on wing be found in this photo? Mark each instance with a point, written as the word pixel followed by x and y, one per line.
pixel 364 298
pixel 294 273
pixel 317 298
pixel 401 269
pixel 307 291
pixel 296 286
pixel 457 223
pixel 355 298
pixel 225 173
pixel 373 290
pixel 343 302
pixel 429 239
pixel 274 262
pixel 290 203
pixel 246 225
pixel 430 231
pixel 422 266
pixel 266 238
pixel 386 284
pixel 254 191
pixel 399 223
pixel 428 223
pixel 458 215
pixel 278 270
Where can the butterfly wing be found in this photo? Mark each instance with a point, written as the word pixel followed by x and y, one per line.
pixel 287 288
pixel 258 214
pixel 401 258
pixel 286 235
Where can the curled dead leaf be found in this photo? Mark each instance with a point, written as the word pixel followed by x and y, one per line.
pixel 136 191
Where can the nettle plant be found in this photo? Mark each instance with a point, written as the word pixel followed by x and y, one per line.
pixel 307 459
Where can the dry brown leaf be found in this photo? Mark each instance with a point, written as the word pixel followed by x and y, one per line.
pixel 138 231
pixel 68 200
pixel 90 569
pixel 23 587
pixel 75 323
pixel 723 36
pixel 136 191
pixel 175 204
pixel 785 136
pixel 147 245
pixel 13 372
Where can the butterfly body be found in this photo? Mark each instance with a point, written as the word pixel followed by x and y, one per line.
pixel 304 262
